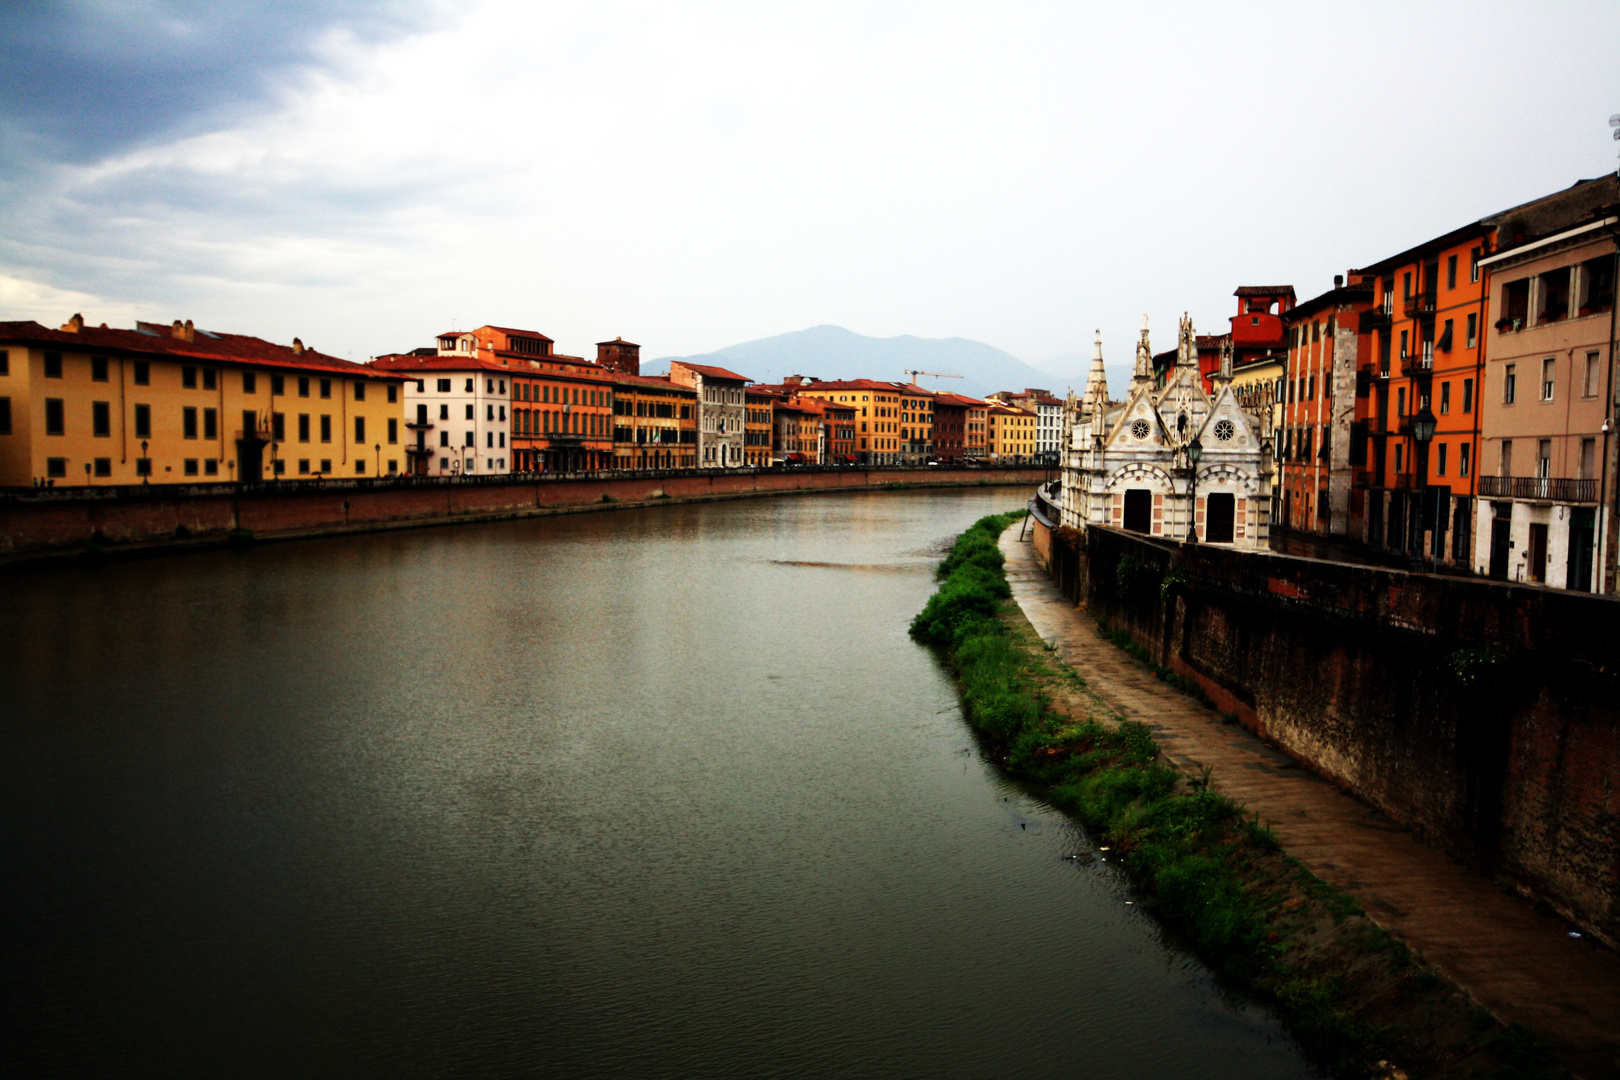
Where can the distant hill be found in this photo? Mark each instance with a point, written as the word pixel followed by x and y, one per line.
pixel 831 352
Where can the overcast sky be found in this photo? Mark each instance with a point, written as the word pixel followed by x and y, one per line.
pixel 692 175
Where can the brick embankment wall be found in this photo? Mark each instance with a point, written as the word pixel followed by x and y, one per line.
pixel 37 523
pixel 1483 716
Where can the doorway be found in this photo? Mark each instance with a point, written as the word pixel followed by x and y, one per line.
pixel 1220 511
pixel 1536 554
pixel 1501 540
pixel 1139 510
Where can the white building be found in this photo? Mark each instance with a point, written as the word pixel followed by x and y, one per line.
pixel 455 413
pixel 1169 461
pixel 722 413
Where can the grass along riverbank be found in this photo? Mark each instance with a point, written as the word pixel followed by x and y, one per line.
pixel 1356 998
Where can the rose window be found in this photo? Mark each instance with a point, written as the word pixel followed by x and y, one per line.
pixel 1224 430
pixel 1140 429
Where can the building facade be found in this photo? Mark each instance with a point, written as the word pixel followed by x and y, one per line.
pixel 1009 432
pixel 655 423
pixel 88 406
pixel 722 413
pixel 1173 461
pixel 1048 412
pixel 1544 514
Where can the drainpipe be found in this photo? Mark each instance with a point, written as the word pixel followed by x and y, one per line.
pixel 1611 527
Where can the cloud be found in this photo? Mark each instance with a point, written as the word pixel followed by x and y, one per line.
pixel 23 299
pixel 88 78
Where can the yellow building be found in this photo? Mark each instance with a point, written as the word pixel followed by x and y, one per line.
pixel 172 405
pixel 757 427
pixel 1258 385
pixel 655 423
pixel 1010 432
pixel 896 420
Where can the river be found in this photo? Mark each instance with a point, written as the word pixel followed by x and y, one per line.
pixel 661 792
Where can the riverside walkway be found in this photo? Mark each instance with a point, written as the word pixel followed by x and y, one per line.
pixel 1520 965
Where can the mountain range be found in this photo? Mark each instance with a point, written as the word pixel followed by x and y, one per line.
pixel 832 352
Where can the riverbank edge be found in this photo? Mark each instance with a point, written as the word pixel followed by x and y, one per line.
pixel 1357 999
pixel 21 561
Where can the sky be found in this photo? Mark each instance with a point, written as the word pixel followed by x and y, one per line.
pixel 365 174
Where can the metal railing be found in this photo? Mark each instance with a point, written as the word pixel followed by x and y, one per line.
pixel 1545 488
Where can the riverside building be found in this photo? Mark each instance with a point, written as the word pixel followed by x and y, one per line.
pixel 90 406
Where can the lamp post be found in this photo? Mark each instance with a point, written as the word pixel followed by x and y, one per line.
pixel 146 477
pixel 379 461
pixel 1195 450
pixel 1423 425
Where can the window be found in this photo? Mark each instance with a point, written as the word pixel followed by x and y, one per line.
pixel 469 387
pixel 103 466
pixel 1398 455
pixel 54 423
pixel 1400 401
pixel 5 362
pixel 1473 329
pixel 210 424
pixel 1589 383
pixel 303 386
pixel 1473 264
pixel 359 429
pixel 1510 383
pixel 1310 390
pixel 1515 306
pixel 326 388
pixel 444 440
pixel 359 391
pixel 393 392
pixel 1451 272
pixel 278 386
pixel 53 365
pixel 326 465
pixel 278 467
pixel 210 466
pixel 250 382
pixel 1403 344
pixel 393 430
pixel 393 466
pixel 56 468
pixel 1597 285
pixel 1588 462
pixel 191 466
pixel 1440 453
pixel 359 465
pixel 278 426
pixel 1462 459
pixel 101 419
pixel 143 466
pixel 98 369
pixel 470 414
pixel 1504 465
pixel 469 441
pixel 503 388
pixel 188 377
pixel 1445 398
pixel 143 421
pixel 141 373
pixel 444 386
pixel 1554 294
pixel 1543 458
pixel 326 428
pixel 210 377
pixel 444 412
pixel 303 427
pixel 5 416
pixel 1406 285
pixel 1547 370
pixel 303 466
pixel 489 412
pixel 188 422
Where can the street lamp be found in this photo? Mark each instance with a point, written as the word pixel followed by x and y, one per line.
pixel 1423 425
pixel 1195 450
pixel 379 460
pixel 146 478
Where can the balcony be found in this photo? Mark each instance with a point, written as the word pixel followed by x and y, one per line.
pixel 1375 319
pixel 1417 365
pixel 419 425
pixel 1540 488
pixel 1418 306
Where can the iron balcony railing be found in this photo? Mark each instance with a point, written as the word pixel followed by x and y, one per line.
pixel 1545 488
pixel 1375 319
pixel 1421 304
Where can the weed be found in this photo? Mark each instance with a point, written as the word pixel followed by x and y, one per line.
pixel 608 498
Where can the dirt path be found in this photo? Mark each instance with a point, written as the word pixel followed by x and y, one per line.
pixel 1522 966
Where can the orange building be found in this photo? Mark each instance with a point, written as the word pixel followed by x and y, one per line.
pixel 655 423
pixel 1326 376
pixel 175 404
pixel 758 425
pixel 894 421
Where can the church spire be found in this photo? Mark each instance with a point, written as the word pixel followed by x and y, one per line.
pixel 1144 357
pixel 1097 381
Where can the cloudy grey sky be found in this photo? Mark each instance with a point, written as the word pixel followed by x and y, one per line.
pixel 366 173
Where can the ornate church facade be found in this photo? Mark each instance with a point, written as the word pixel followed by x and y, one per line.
pixel 1172 461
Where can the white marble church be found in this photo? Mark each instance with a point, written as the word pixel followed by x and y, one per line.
pixel 1166 460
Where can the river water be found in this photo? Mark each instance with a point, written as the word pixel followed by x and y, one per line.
pixel 662 792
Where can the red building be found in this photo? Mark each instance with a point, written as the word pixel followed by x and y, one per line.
pixel 959 427
pixel 1257 331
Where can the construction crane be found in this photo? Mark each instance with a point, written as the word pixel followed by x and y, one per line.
pixel 913 372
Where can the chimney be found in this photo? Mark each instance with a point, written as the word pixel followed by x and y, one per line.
pixel 1338 281
pixel 75 324
pixel 183 331
pixel 298 347
pixel 793 381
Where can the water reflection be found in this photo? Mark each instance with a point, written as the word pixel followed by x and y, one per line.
pixel 646 792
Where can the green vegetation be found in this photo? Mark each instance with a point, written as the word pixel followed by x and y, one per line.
pixel 1121 638
pixel 1350 992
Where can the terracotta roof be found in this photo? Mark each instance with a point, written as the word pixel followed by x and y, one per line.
pixel 711 372
pixel 508 330
pixel 154 339
pixel 853 384
pixel 1345 294
pixel 1264 290
pixel 661 382
pixel 408 362
pixel 1010 410
pixel 620 341
pixel 958 400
